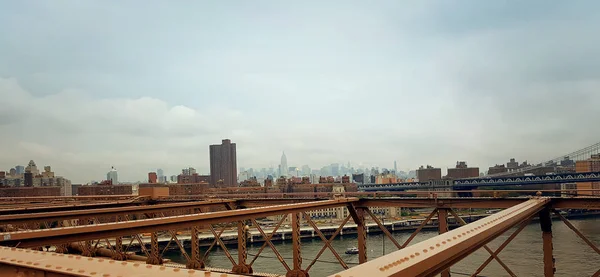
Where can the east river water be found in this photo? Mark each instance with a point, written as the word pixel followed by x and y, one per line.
pixel 574 258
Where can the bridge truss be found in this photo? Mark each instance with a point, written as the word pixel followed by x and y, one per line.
pixel 102 232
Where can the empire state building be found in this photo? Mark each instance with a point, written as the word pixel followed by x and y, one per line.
pixel 283 167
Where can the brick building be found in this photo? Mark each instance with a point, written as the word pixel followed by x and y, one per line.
pixel 30 191
pixel 429 173
pixel 105 190
pixel 152 177
pixel 590 165
pixel 497 169
pixel 193 178
pixel 462 171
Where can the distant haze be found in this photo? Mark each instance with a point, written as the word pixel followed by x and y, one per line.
pixel 141 85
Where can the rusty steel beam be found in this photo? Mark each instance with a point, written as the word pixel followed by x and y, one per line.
pixel 492 254
pixel 546 226
pixel 55 236
pixel 268 242
pixel 443 228
pixel 337 232
pixel 68 207
pixel 577 232
pixel 383 229
pixel 432 256
pixel 102 212
pixel 412 236
pixel 20 262
pixel 324 239
pixel 502 246
pixel 450 203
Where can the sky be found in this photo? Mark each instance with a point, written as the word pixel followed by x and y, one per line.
pixel 140 85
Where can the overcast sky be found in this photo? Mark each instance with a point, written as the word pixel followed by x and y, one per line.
pixel 141 85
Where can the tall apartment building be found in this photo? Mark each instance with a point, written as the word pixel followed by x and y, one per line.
pixel 223 164
pixel 590 165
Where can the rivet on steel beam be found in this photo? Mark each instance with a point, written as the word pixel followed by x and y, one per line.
pixel 81 271
pixel 58 267
pixel 78 258
pixel 136 264
pixel 69 269
pixel 124 263
pixel 191 271
pixel 176 269
pixel 48 265
pixel 149 266
pixel 36 264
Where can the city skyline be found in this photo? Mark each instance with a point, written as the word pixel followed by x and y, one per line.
pixel 427 83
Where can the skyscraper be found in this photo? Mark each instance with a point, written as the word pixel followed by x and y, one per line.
pixel 112 176
pixel 395 168
pixel 223 163
pixel 19 169
pixel 283 166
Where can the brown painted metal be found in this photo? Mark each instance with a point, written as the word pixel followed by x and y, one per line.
pixel 335 234
pixel 77 206
pixel 22 262
pixel 384 229
pixel 432 256
pixel 296 252
pixel 180 245
pixel 579 234
pixel 195 261
pixel 502 246
pixel 154 257
pixel 324 239
pixel 597 274
pixel 358 215
pixel 268 242
pixel 492 254
pixel 55 236
pixel 212 245
pixel 443 228
pixel 222 245
pixel 546 226
pixel 104 212
pixel 455 203
pixel 242 266
pixel 412 236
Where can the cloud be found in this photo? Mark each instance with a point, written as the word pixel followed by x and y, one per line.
pixel 431 83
